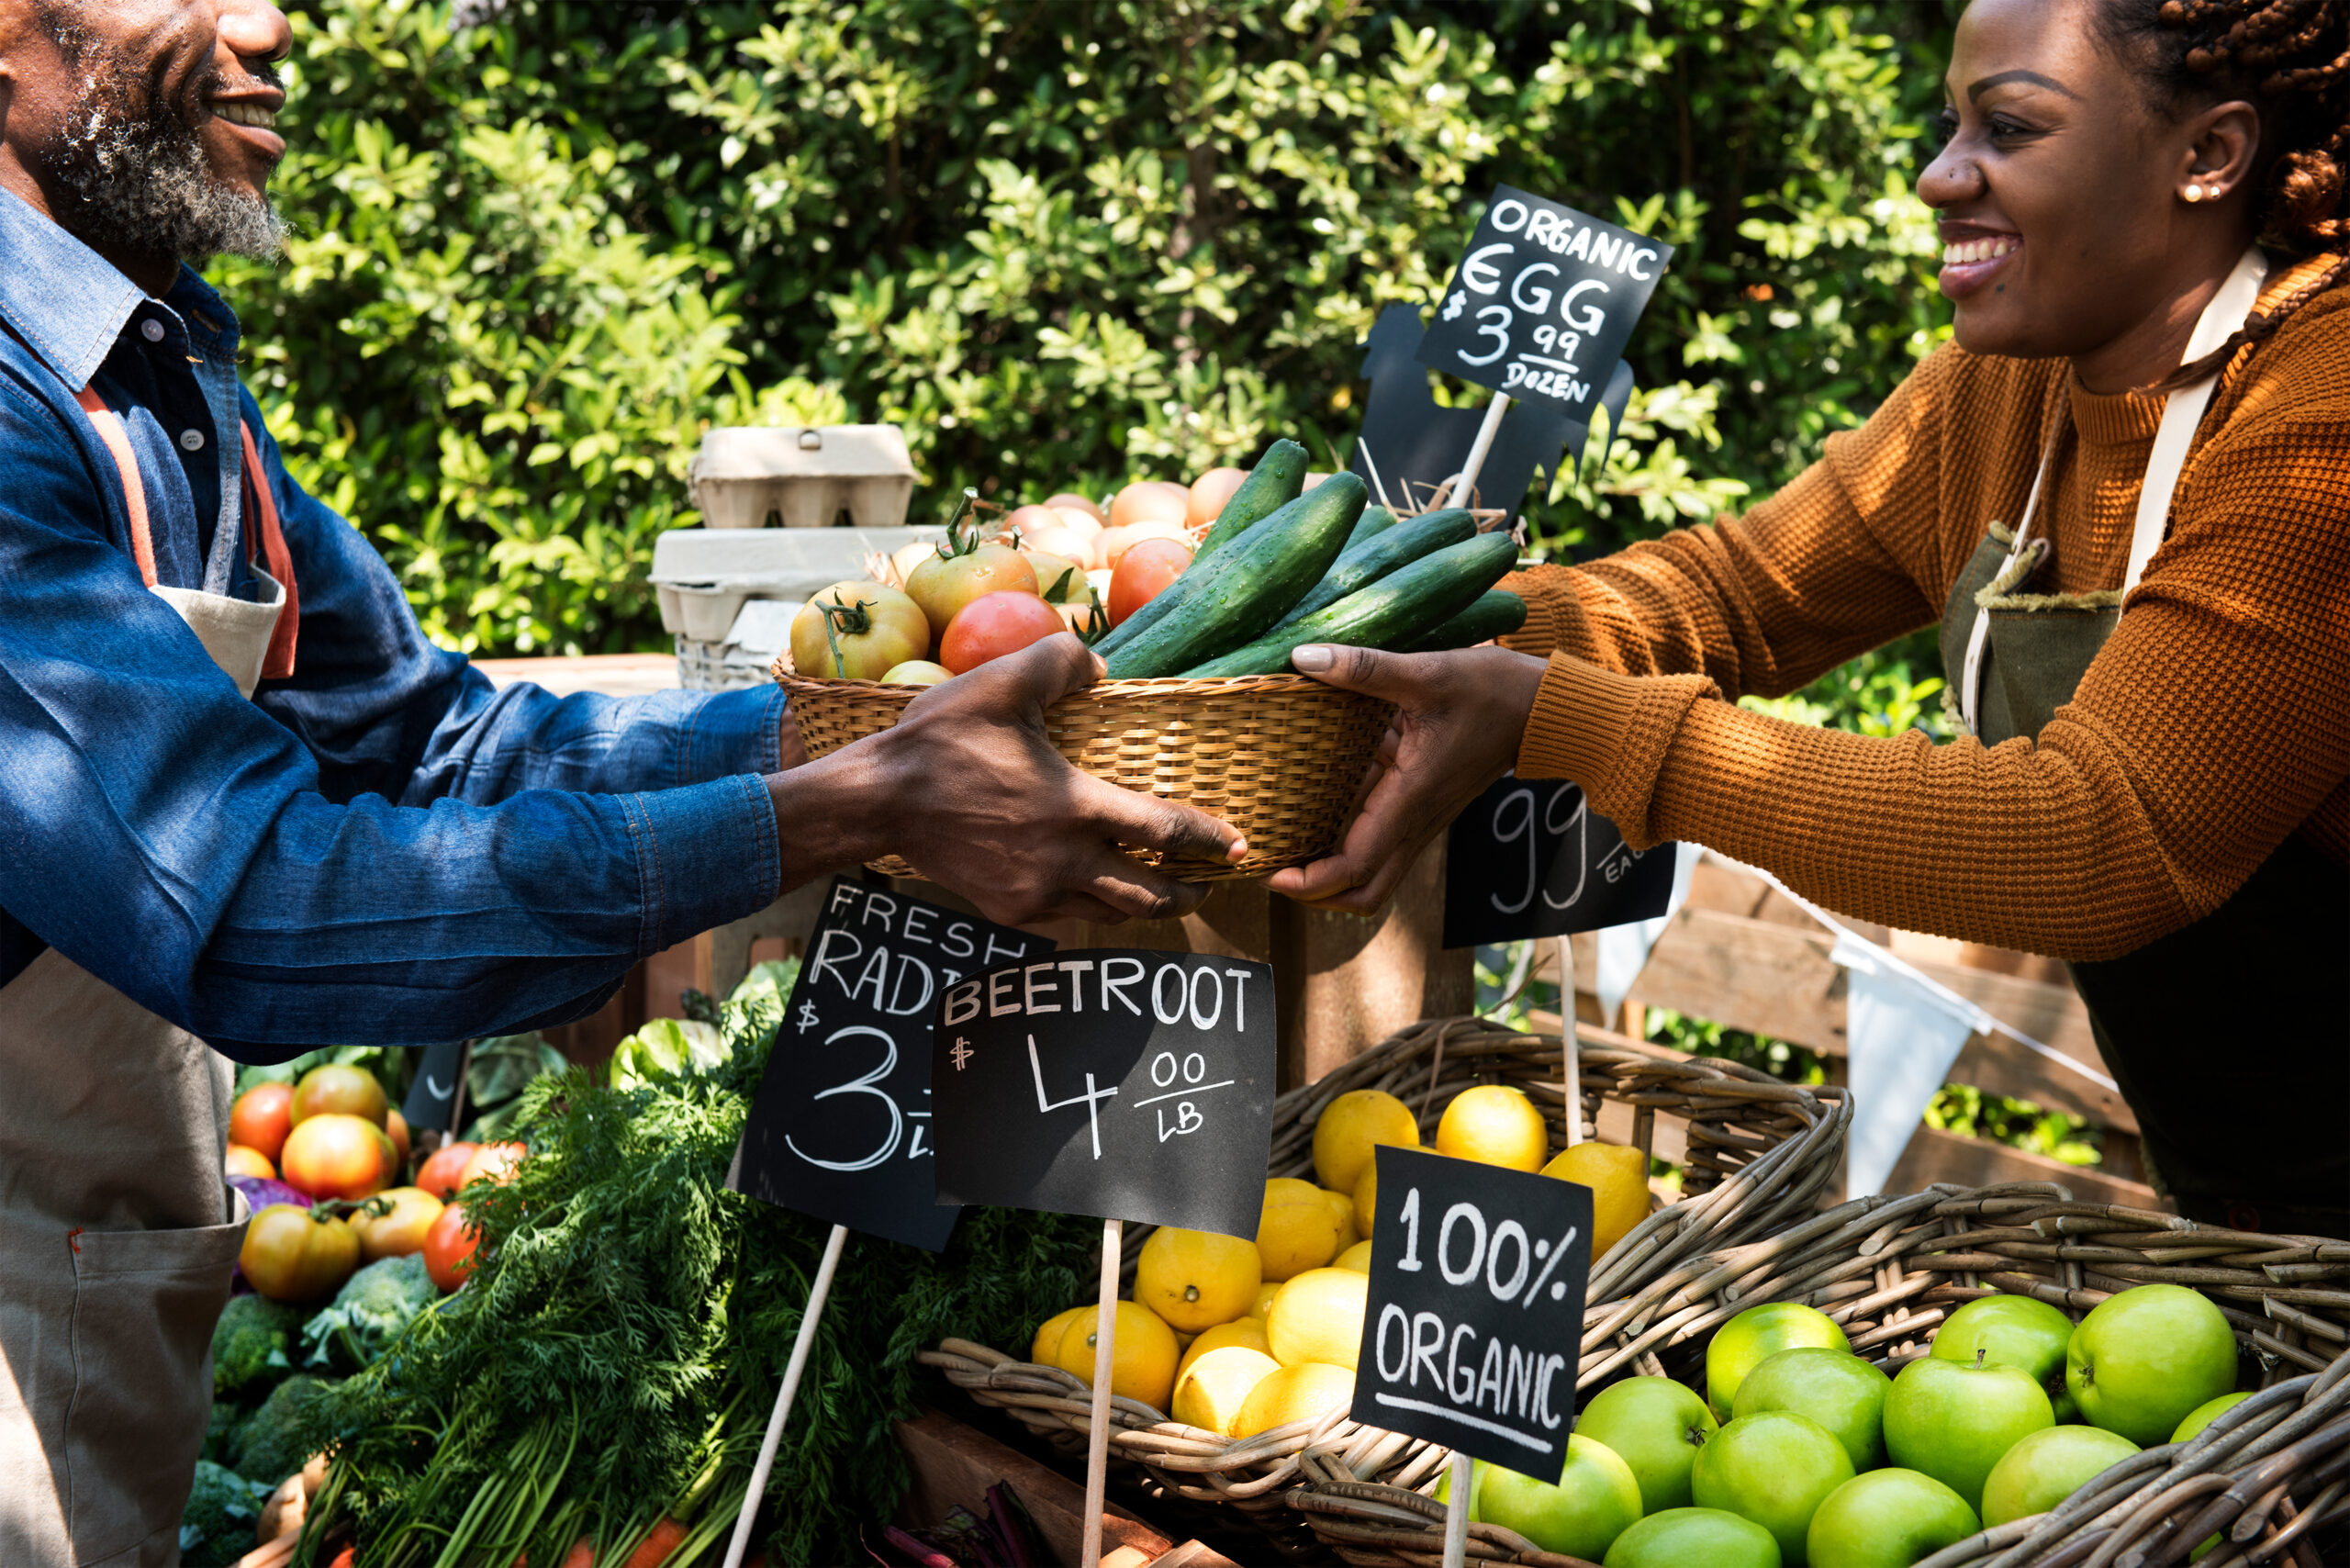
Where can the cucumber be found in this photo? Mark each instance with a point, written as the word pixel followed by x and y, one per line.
pixel 1375 520
pixel 1495 614
pixel 1397 607
pixel 1249 587
pixel 1270 486
pixel 1361 564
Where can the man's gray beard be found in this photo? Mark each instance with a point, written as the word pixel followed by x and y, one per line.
pixel 129 176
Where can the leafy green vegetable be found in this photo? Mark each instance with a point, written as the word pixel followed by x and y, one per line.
pixel 251 1345
pixel 222 1513
pixel 615 1354
pixel 769 977
pixel 273 1445
pixel 372 1310
pixel 221 1429
pixel 665 1045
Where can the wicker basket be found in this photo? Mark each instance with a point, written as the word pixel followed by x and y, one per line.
pixel 2267 1472
pixel 1279 756
pixel 1760 1153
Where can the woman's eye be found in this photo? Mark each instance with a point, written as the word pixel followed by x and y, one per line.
pixel 1945 126
pixel 2003 129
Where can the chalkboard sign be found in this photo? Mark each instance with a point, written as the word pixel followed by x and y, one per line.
pixel 842 1129
pixel 1129 1084
pixel 1477 1277
pixel 434 1093
pixel 1543 303
pixel 1529 857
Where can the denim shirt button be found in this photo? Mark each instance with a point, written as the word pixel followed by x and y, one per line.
pixel 151 329
pixel 190 440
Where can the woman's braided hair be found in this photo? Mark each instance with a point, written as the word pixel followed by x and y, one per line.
pixel 2291 59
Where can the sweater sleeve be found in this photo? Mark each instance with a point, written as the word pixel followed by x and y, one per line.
pixel 2214 721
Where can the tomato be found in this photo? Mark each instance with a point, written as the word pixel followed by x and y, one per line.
pixel 401 1232
pixel 1208 494
pixel 449 1249
pixel 443 1170
pixel 995 624
pixel 1087 619
pixel 1146 569
pixel 243 1162
pixel 292 1254
pixel 396 1128
pixel 262 1117
pixel 335 1090
pixel 944 584
pixel 853 630
pixel 493 1162
pixel 338 1156
pixel 1059 572
pixel 916 672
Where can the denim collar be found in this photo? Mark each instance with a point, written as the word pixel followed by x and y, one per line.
pixel 70 304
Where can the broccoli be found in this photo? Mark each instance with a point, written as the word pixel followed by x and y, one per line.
pixel 249 1345
pixel 268 1447
pixel 222 1515
pixel 373 1307
pixel 220 1431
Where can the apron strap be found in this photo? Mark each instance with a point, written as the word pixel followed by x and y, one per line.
pixel 134 494
pixel 261 506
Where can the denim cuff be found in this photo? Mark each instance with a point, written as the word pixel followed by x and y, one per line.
pixel 706 854
pixel 735 732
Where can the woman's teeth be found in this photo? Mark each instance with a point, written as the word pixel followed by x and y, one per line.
pixel 1978 251
pixel 247 113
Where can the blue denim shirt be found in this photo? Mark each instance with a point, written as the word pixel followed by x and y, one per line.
pixel 380 849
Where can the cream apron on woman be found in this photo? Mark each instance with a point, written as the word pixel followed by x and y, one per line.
pixel 117 1230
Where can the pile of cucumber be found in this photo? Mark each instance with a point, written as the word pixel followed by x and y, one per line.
pixel 1280 569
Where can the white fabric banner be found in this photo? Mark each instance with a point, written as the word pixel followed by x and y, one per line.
pixel 1623 949
pixel 1903 1032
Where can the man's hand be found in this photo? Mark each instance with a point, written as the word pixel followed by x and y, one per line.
pixel 1458 719
pixel 969 787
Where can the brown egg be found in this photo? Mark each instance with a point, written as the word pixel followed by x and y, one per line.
pixel 1209 491
pixel 1030 517
pixel 1084 523
pixel 1149 500
pixel 1115 542
pixel 1071 499
pixel 1065 542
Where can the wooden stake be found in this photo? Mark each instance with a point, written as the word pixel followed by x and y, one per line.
pixel 1097 1435
pixel 1571 1063
pixel 801 1344
pixel 1456 1511
pixel 1463 487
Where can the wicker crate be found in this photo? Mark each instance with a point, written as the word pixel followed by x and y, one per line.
pixel 1890 1269
pixel 1762 1153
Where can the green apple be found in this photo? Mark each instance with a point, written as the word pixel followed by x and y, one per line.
pixel 1477 1468
pixel 1888 1518
pixel 1656 1426
pixel 2014 1331
pixel 1755 1336
pixel 1835 1388
pixel 1682 1537
pixel 2201 1417
pixel 2047 1467
pixel 2142 1360
pixel 1595 1501
pixel 1953 1420
pixel 1774 1468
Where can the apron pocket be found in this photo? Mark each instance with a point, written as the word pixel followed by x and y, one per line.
pixel 145 1302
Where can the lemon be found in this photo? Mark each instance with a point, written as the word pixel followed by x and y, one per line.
pixel 1297 1229
pixel 1213 1390
pixel 1343 1205
pixel 1142 1363
pixel 1195 1279
pixel 1048 1336
pixel 1317 1317
pixel 1306 1391
pixel 1494 1125
pixel 1366 1194
pixel 1618 1180
pixel 1356 1257
pixel 1348 1129
pixel 1247 1332
pixel 1264 1302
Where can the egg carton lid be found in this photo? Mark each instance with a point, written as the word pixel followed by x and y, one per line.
pixel 824 451
pixel 711 557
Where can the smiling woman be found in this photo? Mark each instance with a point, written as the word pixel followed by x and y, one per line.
pixel 2125 492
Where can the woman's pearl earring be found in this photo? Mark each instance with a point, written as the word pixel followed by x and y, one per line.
pixel 2194 192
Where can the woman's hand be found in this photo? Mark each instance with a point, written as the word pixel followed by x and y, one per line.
pixel 1459 718
pixel 969 788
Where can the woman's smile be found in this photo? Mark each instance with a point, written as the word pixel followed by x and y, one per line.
pixel 1973 255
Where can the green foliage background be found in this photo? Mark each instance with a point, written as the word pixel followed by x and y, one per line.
pixel 1063 243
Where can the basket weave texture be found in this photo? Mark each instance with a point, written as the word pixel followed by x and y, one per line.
pixel 1761 1154
pixel 2265 1475
pixel 1279 756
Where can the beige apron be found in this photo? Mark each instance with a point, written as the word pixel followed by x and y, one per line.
pixel 117 1229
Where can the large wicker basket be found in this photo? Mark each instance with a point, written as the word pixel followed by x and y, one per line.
pixel 1759 1155
pixel 1279 756
pixel 1889 1268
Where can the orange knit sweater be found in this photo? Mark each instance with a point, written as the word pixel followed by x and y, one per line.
pixel 2215 723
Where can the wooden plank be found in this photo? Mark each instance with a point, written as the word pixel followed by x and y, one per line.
pixel 1934 1155
pixel 953 1466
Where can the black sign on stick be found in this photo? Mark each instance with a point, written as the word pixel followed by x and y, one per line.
pixel 1477 1277
pixel 434 1093
pixel 1125 1084
pixel 1544 302
pixel 843 1125
pixel 1529 857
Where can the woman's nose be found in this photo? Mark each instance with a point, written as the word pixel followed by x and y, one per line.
pixel 1952 177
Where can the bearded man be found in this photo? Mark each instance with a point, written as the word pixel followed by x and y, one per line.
pixel 247 809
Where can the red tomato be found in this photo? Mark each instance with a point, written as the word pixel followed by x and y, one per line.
pixel 493 1161
pixel 443 1172
pixel 338 1089
pixel 292 1254
pixel 396 1128
pixel 262 1117
pixel 868 625
pixel 401 1232
pixel 995 624
pixel 944 585
pixel 243 1162
pixel 338 1155
pixel 1147 567
pixel 449 1249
